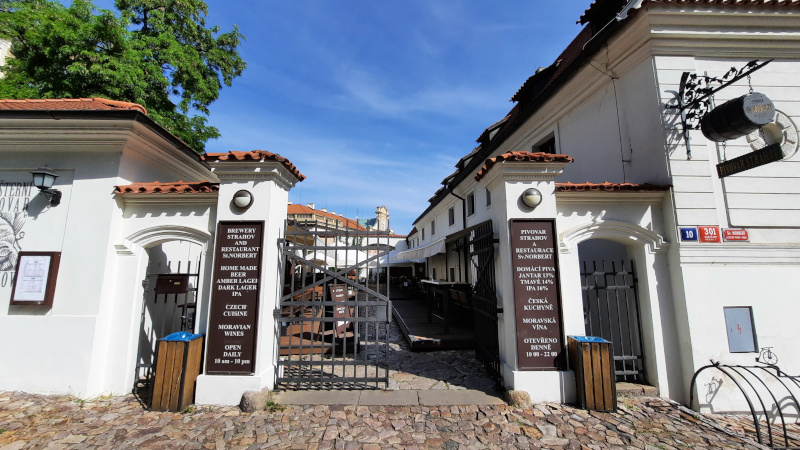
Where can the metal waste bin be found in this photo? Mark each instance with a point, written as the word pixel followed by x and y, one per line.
pixel 177 367
pixel 591 358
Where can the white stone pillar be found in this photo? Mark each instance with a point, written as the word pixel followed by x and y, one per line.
pixel 268 181
pixel 507 181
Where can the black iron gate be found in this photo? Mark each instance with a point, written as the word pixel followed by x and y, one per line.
pixel 335 308
pixel 611 311
pixel 169 305
pixel 481 243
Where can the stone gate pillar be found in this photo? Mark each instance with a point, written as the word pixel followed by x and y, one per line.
pixel 245 286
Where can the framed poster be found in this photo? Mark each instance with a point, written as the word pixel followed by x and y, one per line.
pixel 35 278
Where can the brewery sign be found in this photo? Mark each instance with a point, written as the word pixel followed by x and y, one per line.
pixel 537 301
pixel 750 160
pixel 234 298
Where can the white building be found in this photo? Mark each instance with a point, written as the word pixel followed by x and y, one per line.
pixel 620 175
pixel 595 134
pixel 116 229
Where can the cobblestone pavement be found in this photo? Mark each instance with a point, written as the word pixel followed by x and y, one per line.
pixel 37 421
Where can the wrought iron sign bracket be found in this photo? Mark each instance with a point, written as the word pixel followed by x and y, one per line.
pixel 696 93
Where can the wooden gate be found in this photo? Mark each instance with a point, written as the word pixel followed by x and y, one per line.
pixel 481 243
pixel 333 314
pixel 611 311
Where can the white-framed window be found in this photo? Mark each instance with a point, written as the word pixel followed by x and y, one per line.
pixel 488 197
pixel 451 216
pixel 433 227
pixel 423 233
pixel 470 203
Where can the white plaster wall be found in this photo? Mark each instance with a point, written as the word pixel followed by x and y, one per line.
pixel 710 288
pixel 638 224
pixel 765 200
pixel 81 345
pixel 83 215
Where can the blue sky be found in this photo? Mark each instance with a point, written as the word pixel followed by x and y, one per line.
pixel 375 101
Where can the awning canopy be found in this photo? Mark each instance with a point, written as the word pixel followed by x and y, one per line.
pixel 423 252
pixel 392 260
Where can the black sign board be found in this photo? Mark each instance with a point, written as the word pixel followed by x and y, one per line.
pixel 537 301
pixel 766 155
pixel 339 294
pixel 234 301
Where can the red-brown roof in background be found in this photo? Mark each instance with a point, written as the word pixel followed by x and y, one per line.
pixel 69 104
pixel 610 187
pixel 255 155
pixel 181 187
pixel 302 209
pixel 520 157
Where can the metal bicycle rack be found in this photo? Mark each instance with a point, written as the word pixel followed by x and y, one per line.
pixel 751 377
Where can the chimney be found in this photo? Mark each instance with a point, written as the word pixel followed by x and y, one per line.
pixel 289 202
pixel 324 209
pixel 310 205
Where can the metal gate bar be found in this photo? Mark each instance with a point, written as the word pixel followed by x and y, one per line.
pixel 611 311
pixel 325 342
pixel 480 243
pixel 183 303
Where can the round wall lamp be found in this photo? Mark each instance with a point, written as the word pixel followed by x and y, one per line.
pixel 531 198
pixel 243 199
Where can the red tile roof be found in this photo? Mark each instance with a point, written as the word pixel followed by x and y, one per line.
pixel 610 187
pixel 520 157
pixel 255 155
pixel 181 187
pixel 70 104
pixel 302 209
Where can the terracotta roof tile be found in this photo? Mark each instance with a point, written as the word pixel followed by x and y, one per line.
pixel 255 155
pixel 519 157
pixel 302 209
pixel 610 187
pixel 70 104
pixel 181 187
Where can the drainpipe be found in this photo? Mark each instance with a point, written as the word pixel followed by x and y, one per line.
pixel 465 263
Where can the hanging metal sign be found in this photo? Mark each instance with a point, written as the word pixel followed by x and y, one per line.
pixel 766 155
pixel 738 117
pixel 234 301
pixel 537 300
pixel 694 95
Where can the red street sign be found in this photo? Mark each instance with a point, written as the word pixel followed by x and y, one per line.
pixel 709 234
pixel 735 234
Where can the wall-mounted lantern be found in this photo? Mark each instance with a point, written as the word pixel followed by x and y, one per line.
pixel 531 198
pixel 43 178
pixel 243 199
pixel 738 117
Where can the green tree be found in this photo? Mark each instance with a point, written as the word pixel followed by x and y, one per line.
pixel 158 53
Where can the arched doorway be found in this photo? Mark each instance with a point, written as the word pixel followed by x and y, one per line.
pixel 169 302
pixel 611 303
